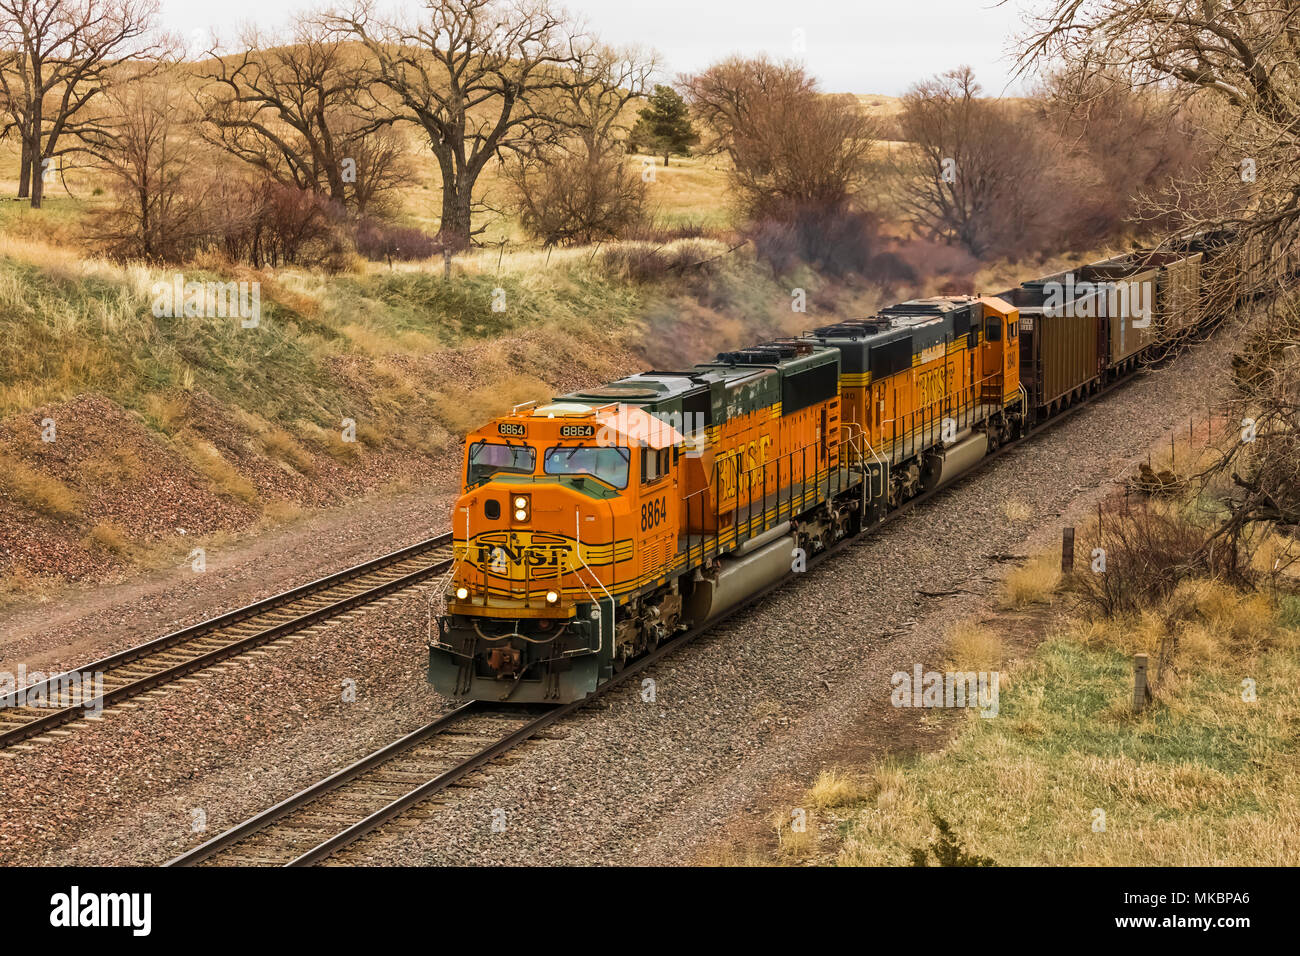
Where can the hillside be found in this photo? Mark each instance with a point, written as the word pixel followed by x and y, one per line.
pixel 170 431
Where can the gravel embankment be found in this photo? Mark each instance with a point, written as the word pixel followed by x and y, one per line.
pixel 773 693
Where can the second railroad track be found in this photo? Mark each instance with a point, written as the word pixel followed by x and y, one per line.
pixel 40 707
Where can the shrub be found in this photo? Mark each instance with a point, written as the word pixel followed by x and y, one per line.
pixel 1148 552
pixel 381 241
pixel 578 198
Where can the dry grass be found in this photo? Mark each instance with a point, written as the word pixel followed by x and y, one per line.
pixel 1016 510
pixel 37 492
pixel 1205 777
pixel 1214 624
pixel 796 833
pixel 276 513
pixel 465 411
pixel 279 444
pixel 974 647
pixel 106 536
pixel 225 478
pixel 1031 583
pixel 114 466
pixel 835 788
pixel 168 411
pixel 20 586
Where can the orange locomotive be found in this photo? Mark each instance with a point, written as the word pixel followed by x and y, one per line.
pixel 596 526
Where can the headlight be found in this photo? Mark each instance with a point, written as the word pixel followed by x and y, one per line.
pixel 552 597
pixel 521 502
pixel 462 594
pixel 521 515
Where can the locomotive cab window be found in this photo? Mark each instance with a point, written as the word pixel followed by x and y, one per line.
pixel 654 464
pixel 993 329
pixel 609 465
pixel 489 458
pixel 1013 330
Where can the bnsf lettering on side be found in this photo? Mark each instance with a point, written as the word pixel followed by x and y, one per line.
pixel 577 431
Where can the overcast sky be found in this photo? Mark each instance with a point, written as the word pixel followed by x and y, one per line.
pixel 853 46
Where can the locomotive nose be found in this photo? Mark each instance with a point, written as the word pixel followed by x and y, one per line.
pixel 531 543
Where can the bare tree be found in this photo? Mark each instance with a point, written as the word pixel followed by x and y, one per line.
pixel 581 188
pixel 1242 54
pixel 59 56
pixel 970 172
pixel 481 78
pixel 791 146
pixel 298 111
pixel 150 167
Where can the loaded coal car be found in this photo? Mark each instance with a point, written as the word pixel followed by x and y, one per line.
pixel 1127 288
pixel 1064 347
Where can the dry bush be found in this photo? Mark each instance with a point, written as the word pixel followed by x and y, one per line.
pixel 1115 146
pixel 833 239
pixel 647 262
pixel 384 242
pixel 577 198
pixel 1149 550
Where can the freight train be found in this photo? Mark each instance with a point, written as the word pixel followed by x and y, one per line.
pixel 594 527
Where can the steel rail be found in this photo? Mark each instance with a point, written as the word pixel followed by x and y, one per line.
pixel 50 688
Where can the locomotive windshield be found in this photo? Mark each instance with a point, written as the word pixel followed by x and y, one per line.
pixel 488 458
pixel 608 464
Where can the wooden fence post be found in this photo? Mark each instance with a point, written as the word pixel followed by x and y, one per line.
pixel 1141 690
pixel 1067 552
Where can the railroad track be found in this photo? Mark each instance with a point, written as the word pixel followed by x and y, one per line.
pixel 166 659
pixel 330 816
pixel 334 813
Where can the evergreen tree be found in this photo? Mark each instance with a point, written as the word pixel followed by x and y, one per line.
pixel 665 125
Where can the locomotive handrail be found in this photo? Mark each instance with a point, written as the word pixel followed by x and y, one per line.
pixel 577 552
